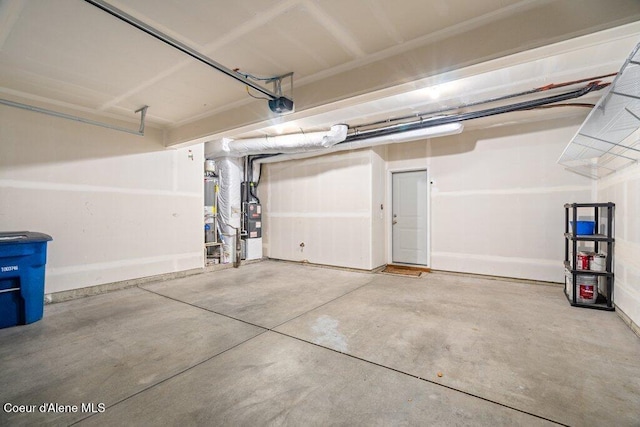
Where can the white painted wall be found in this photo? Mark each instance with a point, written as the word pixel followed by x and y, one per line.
pixel 623 189
pixel 497 198
pixel 118 206
pixel 496 202
pixel 326 203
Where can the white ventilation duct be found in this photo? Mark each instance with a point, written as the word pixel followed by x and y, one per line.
pixel 296 143
pixel 227 153
pixel 412 135
pixel 229 203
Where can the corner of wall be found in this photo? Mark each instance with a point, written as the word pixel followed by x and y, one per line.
pixel 623 189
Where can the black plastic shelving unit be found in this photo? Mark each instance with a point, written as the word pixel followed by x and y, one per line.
pixel 599 210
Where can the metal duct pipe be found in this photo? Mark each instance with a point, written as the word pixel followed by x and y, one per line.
pixel 296 143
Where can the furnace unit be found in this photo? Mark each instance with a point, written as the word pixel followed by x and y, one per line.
pixel 253 218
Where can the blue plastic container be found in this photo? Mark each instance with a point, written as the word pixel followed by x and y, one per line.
pixel 23 255
pixel 584 227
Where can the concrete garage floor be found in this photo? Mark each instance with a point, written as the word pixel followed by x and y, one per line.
pixel 276 343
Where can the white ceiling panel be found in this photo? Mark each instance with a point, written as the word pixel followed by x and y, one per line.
pixel 16 81
pixel 298 38
pixel 195 22
pixel 410 21
pixel 378 24
pixel 191 91
pixel 249 58
pixel 69 52
pixel 368 22
pixel 74 43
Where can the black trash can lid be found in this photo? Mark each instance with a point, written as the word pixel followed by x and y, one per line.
pixel 13 237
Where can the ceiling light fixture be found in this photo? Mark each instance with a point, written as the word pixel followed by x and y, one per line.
pixel 428 132
pixel 400 133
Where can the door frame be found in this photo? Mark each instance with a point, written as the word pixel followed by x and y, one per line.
pixel 389 213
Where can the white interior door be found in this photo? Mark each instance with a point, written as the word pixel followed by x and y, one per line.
pixel 409 218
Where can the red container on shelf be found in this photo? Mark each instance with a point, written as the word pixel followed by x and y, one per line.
pixel 583 261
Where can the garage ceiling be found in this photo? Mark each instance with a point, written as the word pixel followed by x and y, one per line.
pixel 353 61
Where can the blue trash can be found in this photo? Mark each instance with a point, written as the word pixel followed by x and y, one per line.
pixel 23 255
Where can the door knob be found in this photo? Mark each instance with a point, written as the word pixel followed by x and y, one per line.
pixel 394 222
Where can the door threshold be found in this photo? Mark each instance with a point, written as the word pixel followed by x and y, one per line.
pixel 405 269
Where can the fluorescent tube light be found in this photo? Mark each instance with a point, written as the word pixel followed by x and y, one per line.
pixel 412 135
pixel 428 132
